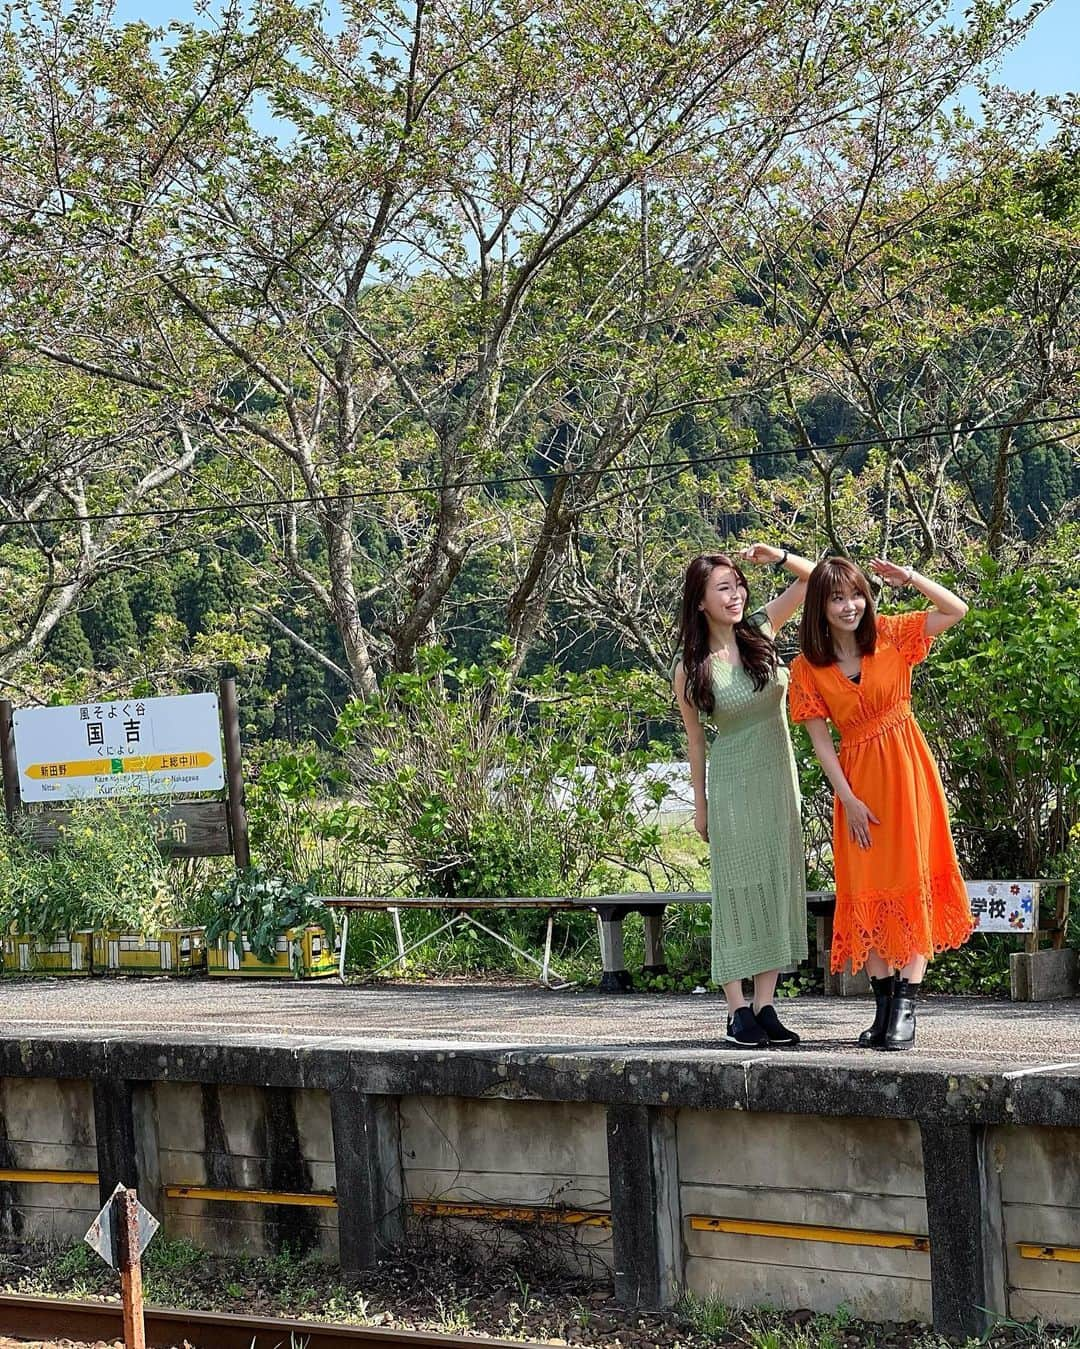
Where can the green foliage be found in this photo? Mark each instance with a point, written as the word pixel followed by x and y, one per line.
pixel 105 872
pixel 109 625
pixel 473 794
pixel 299 829
pixel 1001 702
pixel 68 647
pixel 980 966
pixel 260 907
pixel 706 1313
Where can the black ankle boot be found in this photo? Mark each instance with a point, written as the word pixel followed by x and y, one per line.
pixel 874 1036
pixel 900 1033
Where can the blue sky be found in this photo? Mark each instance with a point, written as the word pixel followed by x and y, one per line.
pixel 1045 61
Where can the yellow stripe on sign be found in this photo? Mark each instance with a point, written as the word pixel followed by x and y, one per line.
pixel 136 763
pixel 48 1177
pixel 1067 1253
pixel 842 1236
pixel 251 1196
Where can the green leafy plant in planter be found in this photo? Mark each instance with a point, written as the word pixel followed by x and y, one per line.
pixel 262 908
pixel 106 871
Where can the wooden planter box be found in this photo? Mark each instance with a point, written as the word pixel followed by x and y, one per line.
pixel 172 950
pixel 300 953
pixel 68 954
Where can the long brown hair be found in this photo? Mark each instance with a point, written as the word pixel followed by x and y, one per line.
pixel 757 652
pixel 815 635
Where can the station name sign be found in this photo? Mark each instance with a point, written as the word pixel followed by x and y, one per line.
pixel 132 747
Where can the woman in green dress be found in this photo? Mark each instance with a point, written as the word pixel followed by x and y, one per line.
pixel 746 801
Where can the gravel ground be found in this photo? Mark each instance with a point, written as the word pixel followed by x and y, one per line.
pixel 983 1033
pixel 439 1285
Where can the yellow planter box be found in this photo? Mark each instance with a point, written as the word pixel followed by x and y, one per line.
pixel 70 953
pixel 172 950
pixel 299 953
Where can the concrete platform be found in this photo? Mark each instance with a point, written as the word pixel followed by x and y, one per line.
pixel 976 1034
pixel 941 1184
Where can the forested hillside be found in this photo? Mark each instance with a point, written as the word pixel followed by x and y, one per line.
pixel 326 343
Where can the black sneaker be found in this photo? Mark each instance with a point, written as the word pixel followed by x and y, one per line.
pixel 777 1032
pixel 743 1029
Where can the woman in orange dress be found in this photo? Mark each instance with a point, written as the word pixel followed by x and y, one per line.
pixel 899 893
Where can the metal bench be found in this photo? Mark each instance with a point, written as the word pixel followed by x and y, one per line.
pixel 610 911
pixel 1029 982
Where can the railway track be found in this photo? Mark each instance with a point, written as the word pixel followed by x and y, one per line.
pixel 60 1318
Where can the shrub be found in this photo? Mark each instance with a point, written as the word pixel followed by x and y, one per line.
pixel 477 790
pixel 1000 702
pixel 298 829
pixel 105 872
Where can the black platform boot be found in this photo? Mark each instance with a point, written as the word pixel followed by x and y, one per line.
pixel 874 1036
pixel 900 1033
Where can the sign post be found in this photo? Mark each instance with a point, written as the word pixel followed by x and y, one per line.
pixel 119 1234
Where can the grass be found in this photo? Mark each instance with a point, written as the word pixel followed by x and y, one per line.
pixel 706 1313
pixel 458 1290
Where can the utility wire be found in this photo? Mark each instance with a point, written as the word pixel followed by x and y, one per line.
pixel 624 470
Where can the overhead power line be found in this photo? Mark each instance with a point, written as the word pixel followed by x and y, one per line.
pixel 507 480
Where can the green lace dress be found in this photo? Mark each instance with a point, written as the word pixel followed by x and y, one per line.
pixel 755 833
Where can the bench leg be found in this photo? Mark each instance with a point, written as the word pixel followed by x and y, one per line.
pixel 823 942
pixel 616 977
pixel 654 944
pixel 545 969
pixel 396 918
pixel 344 944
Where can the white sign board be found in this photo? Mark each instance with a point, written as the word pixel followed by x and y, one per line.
pixel 1003 906
pixel 131 747
pixel 101 1236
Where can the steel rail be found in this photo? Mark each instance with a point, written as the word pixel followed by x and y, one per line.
pixel 166 1327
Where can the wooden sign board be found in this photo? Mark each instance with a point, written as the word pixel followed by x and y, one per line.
pixel 184 829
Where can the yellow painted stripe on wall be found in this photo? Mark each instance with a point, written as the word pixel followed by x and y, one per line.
pixel 251 1196
pixel 519 1213
pixel 1067 1253
pixel 27 1177
pixel 843 1236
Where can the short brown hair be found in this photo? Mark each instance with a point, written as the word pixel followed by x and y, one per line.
pixel 815 635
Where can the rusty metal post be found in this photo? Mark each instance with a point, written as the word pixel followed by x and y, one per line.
pixel 230 719
pixel 126 1227
pixel 7 759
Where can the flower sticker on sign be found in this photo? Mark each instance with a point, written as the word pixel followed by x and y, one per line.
pixel 1002 906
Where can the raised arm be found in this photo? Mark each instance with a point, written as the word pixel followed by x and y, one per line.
pixel 788 601
pixel 859 816
pixel 948 608
pixel 695 751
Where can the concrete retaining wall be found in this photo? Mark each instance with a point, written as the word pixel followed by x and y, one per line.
pixel 1039 1173
pixel 849 1175
pixel 813 1171
pixel 511 1154
pixel 47 1125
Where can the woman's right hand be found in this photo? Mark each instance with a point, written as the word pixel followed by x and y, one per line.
pixel 859 819
pixel 701 822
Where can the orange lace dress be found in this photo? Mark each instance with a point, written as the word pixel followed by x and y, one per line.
pixel 904 895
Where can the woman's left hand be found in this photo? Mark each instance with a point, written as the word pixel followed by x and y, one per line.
pixel 761 554
pixel 889 572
